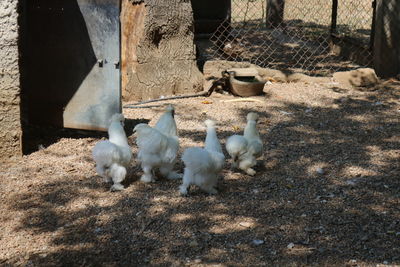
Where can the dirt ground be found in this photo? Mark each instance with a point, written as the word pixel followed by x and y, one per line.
pixel 327 191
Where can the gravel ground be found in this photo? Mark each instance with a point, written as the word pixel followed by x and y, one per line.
pixel 326 192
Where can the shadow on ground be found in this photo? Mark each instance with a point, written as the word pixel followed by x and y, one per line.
pixel 288 214
pixel 41 137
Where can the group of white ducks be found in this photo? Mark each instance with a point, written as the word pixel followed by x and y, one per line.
pixel 158 152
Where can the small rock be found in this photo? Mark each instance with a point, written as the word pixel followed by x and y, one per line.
pixel 320 171
pixel 228 46
pixel 197 261
pixel 385 262
pixel 290 246
pixel 351 182
pixel 303 215
pixel 258 242
pixel 245 224
pixel 358 78
pixel 193 243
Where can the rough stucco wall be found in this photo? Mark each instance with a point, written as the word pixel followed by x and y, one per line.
pixel 10 128
pixel 158 51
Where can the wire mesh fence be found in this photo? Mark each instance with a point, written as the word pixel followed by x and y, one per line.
pixel 312 36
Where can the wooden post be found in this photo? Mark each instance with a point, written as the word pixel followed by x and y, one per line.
pixel 275 10
pixel 387 38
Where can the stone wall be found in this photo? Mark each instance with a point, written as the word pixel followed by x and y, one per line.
pixel 10 126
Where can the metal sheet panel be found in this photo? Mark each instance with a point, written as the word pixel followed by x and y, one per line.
pixel 98 97
pixel 71 60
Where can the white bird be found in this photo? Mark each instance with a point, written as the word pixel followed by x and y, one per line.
pixel 113 156
pixel 158 147
pixel 166 123
pixel 245 149
pixel 203 165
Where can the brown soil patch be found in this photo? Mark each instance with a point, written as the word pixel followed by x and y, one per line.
pixel 326 192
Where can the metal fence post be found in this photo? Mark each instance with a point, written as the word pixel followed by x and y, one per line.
pixel 372 36
pixel 275 10
pixel 334 16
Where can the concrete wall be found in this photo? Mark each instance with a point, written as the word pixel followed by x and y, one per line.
pixel 10 127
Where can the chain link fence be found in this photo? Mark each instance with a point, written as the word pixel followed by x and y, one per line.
pixel 311 36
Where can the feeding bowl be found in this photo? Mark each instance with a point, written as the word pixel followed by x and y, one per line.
pixel 245 83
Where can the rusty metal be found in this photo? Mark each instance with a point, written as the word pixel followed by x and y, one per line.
pixel 72 56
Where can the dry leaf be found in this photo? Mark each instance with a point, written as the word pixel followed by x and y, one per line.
pixel 235 128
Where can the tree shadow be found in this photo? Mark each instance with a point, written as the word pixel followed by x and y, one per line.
pixel 290 213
